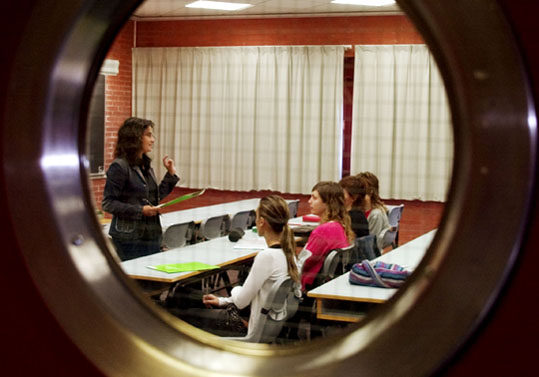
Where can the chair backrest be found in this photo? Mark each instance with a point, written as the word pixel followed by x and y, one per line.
pixel 391 237
pixel 243 219
pixel 214 227
pixel 329 268
pixel 177 235
pixel 293 208
pixel 365 249
pixel 347 253
pixel 334 265
pixel 280 305
pixel 394 215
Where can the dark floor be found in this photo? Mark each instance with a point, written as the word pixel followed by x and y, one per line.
pixel 418 217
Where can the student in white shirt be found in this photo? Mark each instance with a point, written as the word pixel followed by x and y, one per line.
pixel 270 264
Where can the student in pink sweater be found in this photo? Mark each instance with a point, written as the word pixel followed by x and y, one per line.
pixel 334 231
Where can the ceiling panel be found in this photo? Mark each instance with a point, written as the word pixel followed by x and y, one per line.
pixel 262 8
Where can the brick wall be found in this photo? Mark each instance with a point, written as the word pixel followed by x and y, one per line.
pixel 117 99
pixel 278 31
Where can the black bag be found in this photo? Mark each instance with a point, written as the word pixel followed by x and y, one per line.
pixel 181 297
pixel 230 320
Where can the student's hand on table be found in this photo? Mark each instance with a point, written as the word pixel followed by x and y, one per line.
pixel 210 300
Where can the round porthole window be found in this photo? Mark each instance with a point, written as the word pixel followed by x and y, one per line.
pixel 421 327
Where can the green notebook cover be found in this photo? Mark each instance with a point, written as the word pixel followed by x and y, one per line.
pixel 183 267
pixel 182 198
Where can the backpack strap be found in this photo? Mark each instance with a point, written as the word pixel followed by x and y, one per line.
pixel 373 274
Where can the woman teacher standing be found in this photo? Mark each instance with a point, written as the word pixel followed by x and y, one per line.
pixel 132 191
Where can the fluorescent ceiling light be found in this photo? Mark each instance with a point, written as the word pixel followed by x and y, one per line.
pixel 372 3
pixel 219 5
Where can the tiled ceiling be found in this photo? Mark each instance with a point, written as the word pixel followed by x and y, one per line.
pixel 152 9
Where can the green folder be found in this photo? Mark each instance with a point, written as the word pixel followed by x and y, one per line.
pixel 183 267
pixel 182 198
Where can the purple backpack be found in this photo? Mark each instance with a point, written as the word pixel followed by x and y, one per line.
pixel 378 274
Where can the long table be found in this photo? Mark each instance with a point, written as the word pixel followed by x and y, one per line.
pixel 341 301
pixel 218 251
pixel 201 213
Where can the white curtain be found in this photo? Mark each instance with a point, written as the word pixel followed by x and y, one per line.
pixel 401 125
pixel 244 118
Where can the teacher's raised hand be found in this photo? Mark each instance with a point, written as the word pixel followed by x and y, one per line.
pixel 168 163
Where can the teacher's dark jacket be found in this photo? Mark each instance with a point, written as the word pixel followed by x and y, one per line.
pixel 126 192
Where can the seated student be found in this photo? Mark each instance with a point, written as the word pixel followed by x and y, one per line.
pixel 354 195
pixel 374 208
pixel 334 231
pixel 270 264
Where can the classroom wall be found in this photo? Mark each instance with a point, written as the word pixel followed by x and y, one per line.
pixel 278 31
pixel 118 91
pixel 35 344
pixel 245 32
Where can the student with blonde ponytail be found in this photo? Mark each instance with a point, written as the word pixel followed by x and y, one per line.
pixel 270 264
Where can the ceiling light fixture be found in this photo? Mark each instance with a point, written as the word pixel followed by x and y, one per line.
pixel 218 5
pixel 372 3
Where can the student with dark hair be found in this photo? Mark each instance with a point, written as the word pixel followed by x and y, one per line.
pixel 354 196
pixel 334 231
pixel 274 262
pixel 132 191
pixel 374 208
